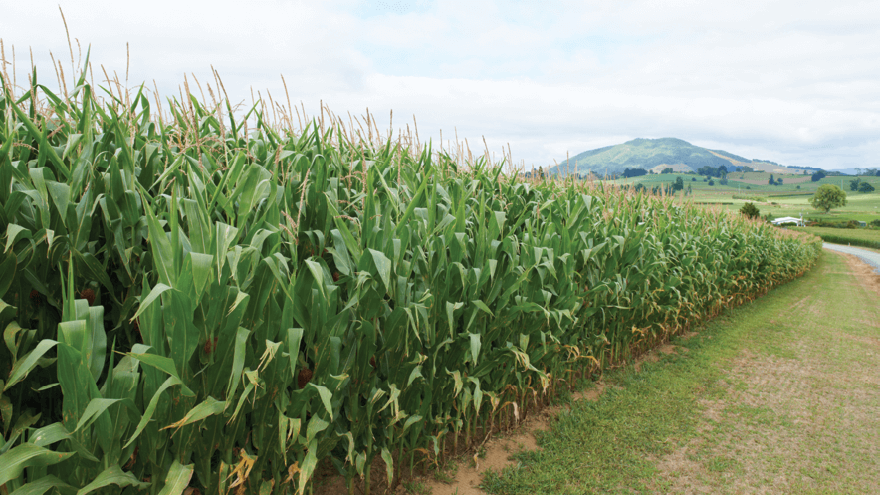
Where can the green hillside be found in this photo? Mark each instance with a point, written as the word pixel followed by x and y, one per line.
pixel 655 154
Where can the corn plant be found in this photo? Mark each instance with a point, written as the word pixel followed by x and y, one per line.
pixel 207 299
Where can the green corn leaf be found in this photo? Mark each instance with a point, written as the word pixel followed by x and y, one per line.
pixel 48 435
pixel 325 395
pixel 24 365
pixel 389 464
pixel 238 357
pixel 155 292
pixel 483 306
pixel 318 273
pixel 182 334
pixel 159 362
pixel 201 272
pixel 208 407
pixel 294 339
pixel 112 476
pixel 37 135
pixel 308 467
pixel 97 407
pixel 14 233
pixel 16 459
pixel 163 254
pixel 95 270
pixel 411 421
pixel 316 425
pixel 8 271
pixel 177 479
pixel 151 408
pixel 383 266
pixel 43 485
pixel 56 432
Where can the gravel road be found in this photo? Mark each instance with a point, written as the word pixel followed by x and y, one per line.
pixel 869 257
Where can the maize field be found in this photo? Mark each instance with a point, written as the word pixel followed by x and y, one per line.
pixel 198 298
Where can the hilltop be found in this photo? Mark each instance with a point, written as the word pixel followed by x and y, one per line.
pixel 657 154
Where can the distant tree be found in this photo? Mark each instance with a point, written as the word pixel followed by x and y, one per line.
pixel 693 179
pixel 689 190
pixel 748 187
pixel 779 181
pixel 772 181
pixel 805 172
pixel 828 196
pixel 723 181
pixel 640 187
pixel 817 176
pixel 854 184
pixel 750 210
pixel 667 170
pixel 746 169
pixel 634 172
pixel 866 187
pixel 706 179
pixel 798 187
pixel 711 182
pixel 712 171
pixel 678 185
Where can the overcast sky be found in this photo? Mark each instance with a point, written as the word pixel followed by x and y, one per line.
pixel 795 82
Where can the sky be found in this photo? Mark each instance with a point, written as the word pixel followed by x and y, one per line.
pixel 794 82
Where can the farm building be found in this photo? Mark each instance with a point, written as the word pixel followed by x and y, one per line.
pixel 784 220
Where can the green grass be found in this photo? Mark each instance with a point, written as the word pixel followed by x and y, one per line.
pixel 780 201
pixel 856 237
pixel 615 445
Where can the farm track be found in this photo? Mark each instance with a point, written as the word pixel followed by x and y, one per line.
pixel 870 257
pixel 779 396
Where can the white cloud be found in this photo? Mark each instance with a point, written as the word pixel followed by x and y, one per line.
pixel 793 82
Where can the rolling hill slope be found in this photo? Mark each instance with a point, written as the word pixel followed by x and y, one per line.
pixel 657 154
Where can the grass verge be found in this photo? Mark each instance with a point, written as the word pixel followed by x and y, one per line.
pixel 856 237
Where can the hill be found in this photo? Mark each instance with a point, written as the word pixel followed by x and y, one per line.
pixel 657 154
